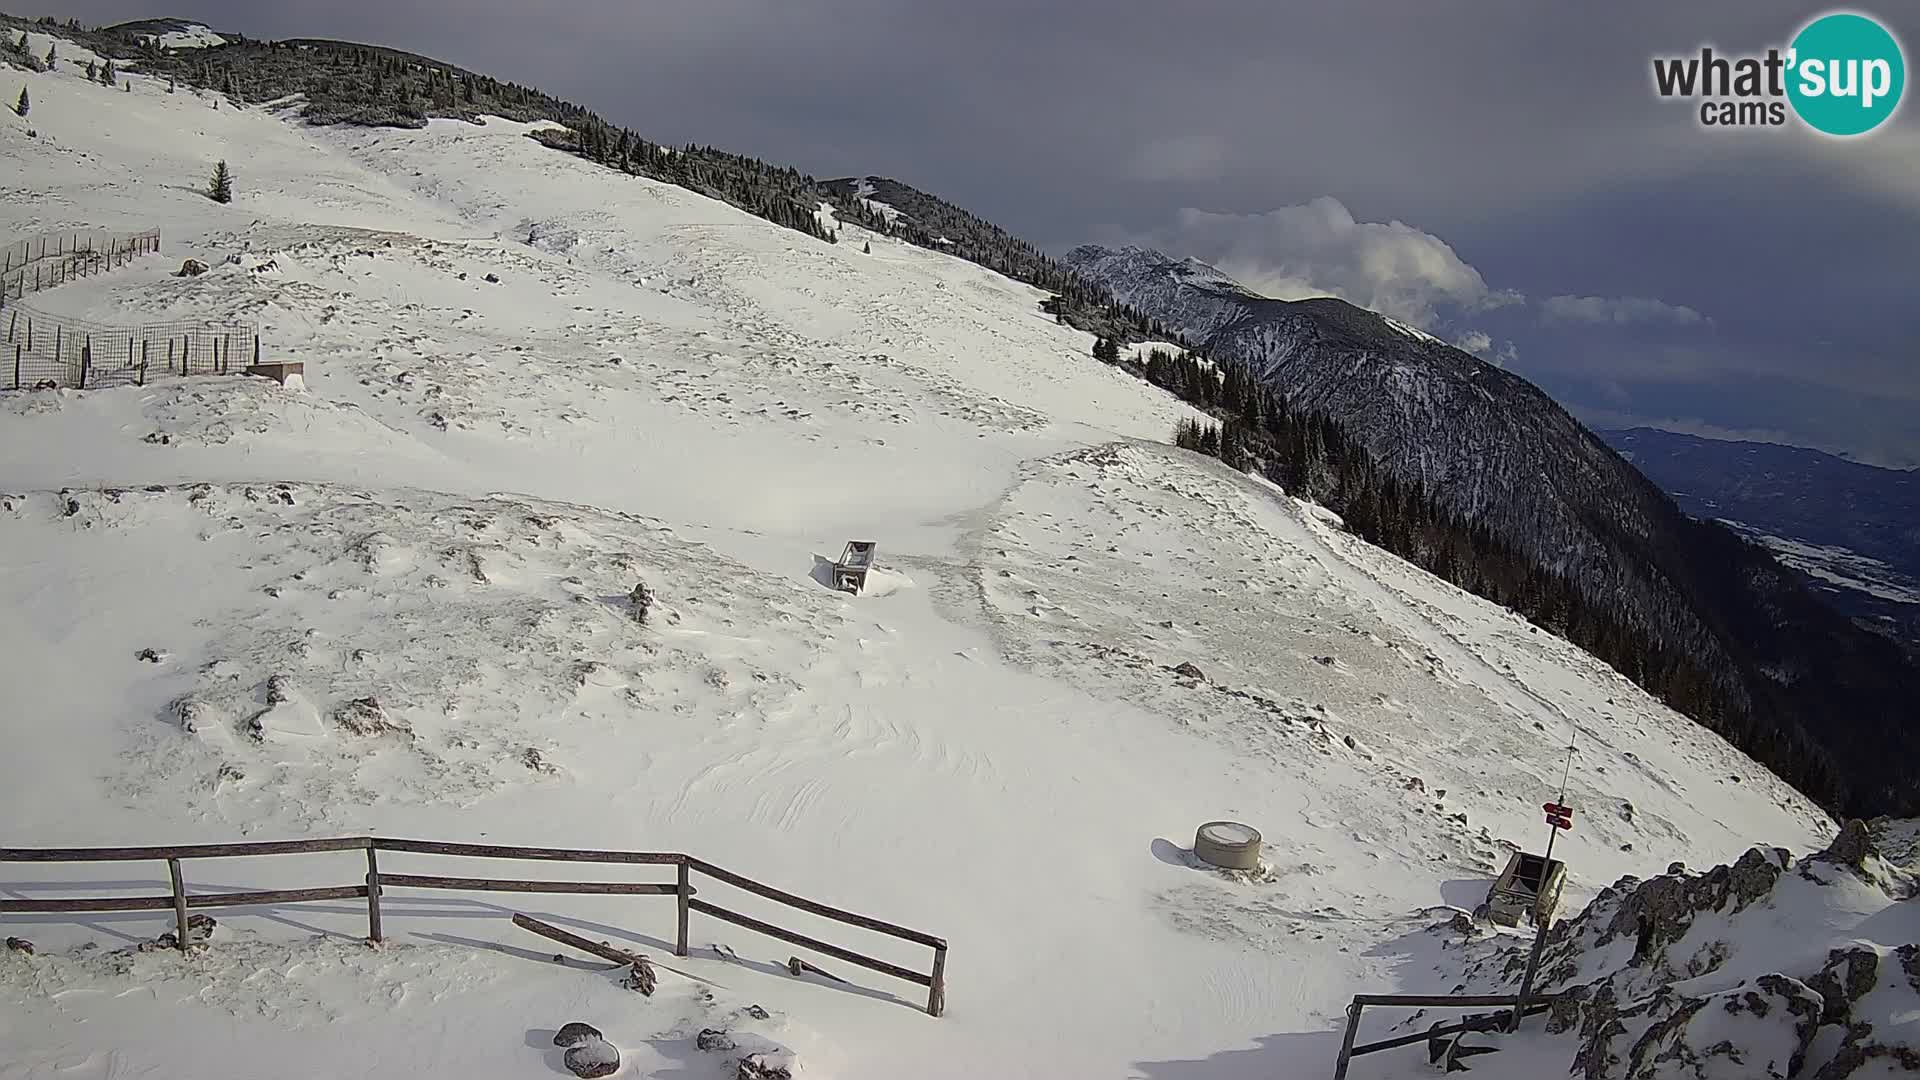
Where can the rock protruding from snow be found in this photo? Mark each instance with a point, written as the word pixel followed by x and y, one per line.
pixel 575 1033
pixel 1764 968
pixel 1758 1029
pixel 591 1057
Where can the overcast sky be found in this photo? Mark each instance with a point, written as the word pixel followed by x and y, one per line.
pixel 1498 171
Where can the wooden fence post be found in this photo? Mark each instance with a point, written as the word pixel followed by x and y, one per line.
pixel 86 360
pixel 686 891
pixel 373 895
pixel 937 993
pixel 16 365
pixel 179 903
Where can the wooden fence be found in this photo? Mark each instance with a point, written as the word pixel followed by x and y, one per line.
pixel 1441 1038
pixel 376 882
pixel 46 351
pixel 42 262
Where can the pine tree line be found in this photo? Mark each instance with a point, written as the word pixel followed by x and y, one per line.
pixel 935 224
pixel 782 195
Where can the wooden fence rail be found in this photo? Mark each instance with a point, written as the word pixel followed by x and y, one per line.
pixel 44 262
pixel 377 882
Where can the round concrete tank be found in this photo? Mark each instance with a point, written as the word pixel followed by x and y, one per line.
pixel 1228 845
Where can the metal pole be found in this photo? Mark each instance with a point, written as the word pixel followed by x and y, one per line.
pixel 1540 917
pixel 1346 1045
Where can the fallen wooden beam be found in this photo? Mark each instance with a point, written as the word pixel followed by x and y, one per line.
pixel 600 949
pixel 641 978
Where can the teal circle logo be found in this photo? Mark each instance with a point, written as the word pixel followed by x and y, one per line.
pixel 1845 74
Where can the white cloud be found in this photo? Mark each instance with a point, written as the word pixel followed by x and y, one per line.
pixel 1319 249
pixel 1481 344
pixel 1618 310
pixel 1474 341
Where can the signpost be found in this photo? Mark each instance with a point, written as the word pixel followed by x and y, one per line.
pixel 1560 816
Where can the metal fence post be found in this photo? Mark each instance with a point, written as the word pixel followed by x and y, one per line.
pixel 1346 1044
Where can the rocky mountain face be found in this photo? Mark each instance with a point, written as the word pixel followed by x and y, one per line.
pixel 1770 967
pixel 1793 682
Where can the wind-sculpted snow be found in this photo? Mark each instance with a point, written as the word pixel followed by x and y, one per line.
pixel 1319 662
pixel 403 647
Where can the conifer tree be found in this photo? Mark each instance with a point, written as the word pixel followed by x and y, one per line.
pixel 23 104
pixel 53 52
pixel 107 74
pixel 221 189
pixel 866 248
pixel 92 72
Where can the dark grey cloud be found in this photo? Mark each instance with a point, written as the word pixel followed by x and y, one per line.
pixel 1475 153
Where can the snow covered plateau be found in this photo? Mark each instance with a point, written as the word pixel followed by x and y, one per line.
pixel 396 602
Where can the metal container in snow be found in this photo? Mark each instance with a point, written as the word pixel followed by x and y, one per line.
pixel 1228 845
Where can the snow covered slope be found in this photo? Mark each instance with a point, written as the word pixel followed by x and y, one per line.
pixel 395 602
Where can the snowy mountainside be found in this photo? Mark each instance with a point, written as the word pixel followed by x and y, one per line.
pixel 398 601
pixel 1791 680
pixel 171 33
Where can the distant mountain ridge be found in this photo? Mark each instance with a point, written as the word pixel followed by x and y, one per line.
pixel 1821 503
pixel 1792 679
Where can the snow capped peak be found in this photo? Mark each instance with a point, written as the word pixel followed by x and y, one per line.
pixel 172 34
pixel 1410 331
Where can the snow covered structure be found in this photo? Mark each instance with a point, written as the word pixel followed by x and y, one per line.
pixel 856 561
pixel 1527 889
